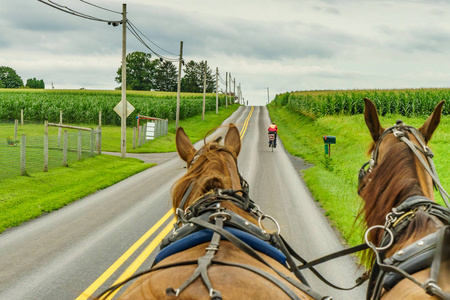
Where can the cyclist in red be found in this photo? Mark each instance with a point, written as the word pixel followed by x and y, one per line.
pixel 273 129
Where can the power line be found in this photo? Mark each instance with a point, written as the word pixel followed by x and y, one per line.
pixel 117 12
pixel 132 28
pixel 221 80
pixel 149 39
pixel 76 13
pixel 133 31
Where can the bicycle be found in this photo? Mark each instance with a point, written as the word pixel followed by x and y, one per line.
pixel 272 140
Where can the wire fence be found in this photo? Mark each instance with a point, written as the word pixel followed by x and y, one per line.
pixel 33 152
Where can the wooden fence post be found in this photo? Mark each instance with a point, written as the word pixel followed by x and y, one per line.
pixel 66 141
pixel 59 129
pixel 99 139
pixel 144 133
pixel 46 146
pixel 80 140
pixel 23 148
pixel 134 137
pixel 92 142
pixel 16 125
pixel 21 116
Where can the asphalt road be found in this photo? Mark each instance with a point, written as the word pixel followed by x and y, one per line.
pixel 86 245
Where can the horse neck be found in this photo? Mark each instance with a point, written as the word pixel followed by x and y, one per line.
pixel 394 180
pixel 391 182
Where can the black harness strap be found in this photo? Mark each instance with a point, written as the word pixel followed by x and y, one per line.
pixel 383 267
pixel 331 256
pixel 247 249
pixel 204 263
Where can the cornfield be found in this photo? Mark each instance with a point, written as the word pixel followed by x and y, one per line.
pixel 414 102
pixel 82 107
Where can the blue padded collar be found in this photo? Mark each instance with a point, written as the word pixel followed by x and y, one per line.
pixel 205 235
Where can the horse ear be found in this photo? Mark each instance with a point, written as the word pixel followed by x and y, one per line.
pixel 185 148
pixel 432 122
pixel 372 121
pixel 233 140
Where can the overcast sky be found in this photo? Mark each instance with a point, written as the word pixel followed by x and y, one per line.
pixel 285 45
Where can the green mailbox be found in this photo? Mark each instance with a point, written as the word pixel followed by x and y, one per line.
pixel 328 140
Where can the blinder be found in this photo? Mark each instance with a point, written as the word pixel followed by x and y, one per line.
pixel 399 131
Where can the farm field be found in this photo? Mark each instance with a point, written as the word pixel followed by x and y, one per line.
pixel 333 180
pixel 25 197
pixel 83 106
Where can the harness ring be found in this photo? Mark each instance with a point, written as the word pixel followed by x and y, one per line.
pixel 273 220
pixel 391 241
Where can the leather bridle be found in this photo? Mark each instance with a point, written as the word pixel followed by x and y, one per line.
pixel 398 130
pixel 387 272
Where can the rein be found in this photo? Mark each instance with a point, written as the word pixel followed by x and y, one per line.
pixel 387 272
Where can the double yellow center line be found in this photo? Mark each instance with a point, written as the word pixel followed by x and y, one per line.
pixel 244 127
pixel 87 294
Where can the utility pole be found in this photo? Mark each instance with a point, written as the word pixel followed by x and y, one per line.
pixel 204 91
pixel 217 90
pixel 226 89
pixel 231 101
pixel 123 145
pixel 234 88
pixel 239 94
pixel 179 86
pixel 267 95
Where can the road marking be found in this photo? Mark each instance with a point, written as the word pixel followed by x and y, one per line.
pixel 147 251
pixel 142 257
pixel 113 268
pixel 244 127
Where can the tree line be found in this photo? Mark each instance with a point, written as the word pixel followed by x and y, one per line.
pixel 10 79
pixel 143 73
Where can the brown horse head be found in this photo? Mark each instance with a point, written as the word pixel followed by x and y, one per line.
pixel 395 175
pixel 212 167
pixel 398 174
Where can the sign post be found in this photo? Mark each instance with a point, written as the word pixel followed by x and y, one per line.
pixel 124 109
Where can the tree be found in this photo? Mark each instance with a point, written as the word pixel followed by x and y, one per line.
pixel 166 78
pixel 9 78
pixel 192 80
pixel 141 71
pixel 35 84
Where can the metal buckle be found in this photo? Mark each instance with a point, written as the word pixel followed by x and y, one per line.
pixel 397 133
pixel 225 216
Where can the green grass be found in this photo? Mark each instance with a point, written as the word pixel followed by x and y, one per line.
pixel 333 180
pixel 26 197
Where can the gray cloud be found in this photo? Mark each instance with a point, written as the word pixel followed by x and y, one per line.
pixel 327 44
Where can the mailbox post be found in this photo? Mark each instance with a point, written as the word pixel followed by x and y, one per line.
pixel 328 140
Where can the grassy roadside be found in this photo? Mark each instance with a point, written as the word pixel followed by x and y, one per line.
pixel 26 197
pixel 23 198
pixel 333 180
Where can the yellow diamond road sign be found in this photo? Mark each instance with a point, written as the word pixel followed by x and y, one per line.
pixel 118 108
